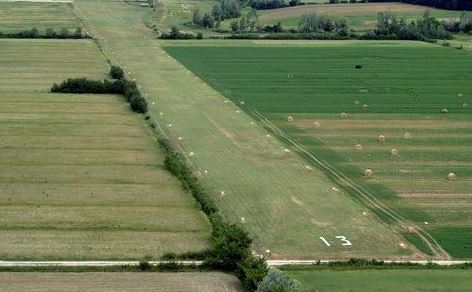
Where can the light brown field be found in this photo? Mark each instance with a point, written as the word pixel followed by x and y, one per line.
pixel 80 175
pixel 118 282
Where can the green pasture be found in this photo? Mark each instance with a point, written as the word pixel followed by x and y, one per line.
pixel 80 176
pixel 416 95
pixel 18 16
pixel 285 204
pixel 398 279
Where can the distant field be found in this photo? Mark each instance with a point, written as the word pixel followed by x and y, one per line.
pixel 118 282
pixel 17 16
pixel 399 93
pixel 384 280
pixel 360 16
pixel 80 176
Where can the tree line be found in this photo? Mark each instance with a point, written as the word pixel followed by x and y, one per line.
pixel 118 86
pixel 49 33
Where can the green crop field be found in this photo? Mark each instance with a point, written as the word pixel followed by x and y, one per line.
pixel 360 16
pixel 283 202
pixel 417 96
pixel 118 282
pixel 80 176
pixel 17 16
pixel 398 279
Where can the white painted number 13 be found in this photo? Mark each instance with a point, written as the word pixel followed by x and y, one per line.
pixel 342 238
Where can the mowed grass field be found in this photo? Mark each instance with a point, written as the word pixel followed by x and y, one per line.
pixel 383 279
pixel 399 93
pixel 284 203
pixel 18 16
pixel 80 175
pixel 360 16
pixel 117 282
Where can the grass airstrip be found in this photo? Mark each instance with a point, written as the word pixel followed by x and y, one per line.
pixel 284 203
pixel 80 176
pixel 404 115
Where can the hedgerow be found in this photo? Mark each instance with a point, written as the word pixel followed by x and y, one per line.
pixel 121 86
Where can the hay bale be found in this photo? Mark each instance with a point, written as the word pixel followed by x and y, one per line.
pixel 241 102
pixel 452 176
pixel 289 119
pixel 222 193
pixel 407 135
pixel 381 138
pixel 316 124
pixel 286 150
pixel 243 220
pixel 410 229
pixel 344 115
pixel 460 94
pixel 365 106
pixel 309 168
pixel 358 147
pixel 368 172
pixel 444 111
pixel 394 151
pixel 356 102
pixel 465 104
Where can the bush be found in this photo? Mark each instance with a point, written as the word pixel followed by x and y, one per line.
pixel 64 33
pixel 277 281
pixel 144 266
pixel 50 33
pixel 252 271
pixel 116 72
pixel 138 104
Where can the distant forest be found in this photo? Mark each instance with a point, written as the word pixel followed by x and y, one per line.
pixel 443 4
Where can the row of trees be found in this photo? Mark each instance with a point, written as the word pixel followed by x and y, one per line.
pixel 119 86
pixel 463 25
pixel 389 27
pixel 225 9
pixel 49 33
pixel 273 4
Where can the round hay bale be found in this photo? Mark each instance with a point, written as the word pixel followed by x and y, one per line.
pixel 191 154
pixel 460 94
pixel 286 150
pixel 358 147
pixel 289 119
pixel 407 135
pixel 344 115
pixel 452 176
pixel 356 102
pixel 243 220
pixel 381 138
pixel 394 151
pixel 368 172
pixel 309 168
pixel 222 193
pixel 410 229
pixel 365 106
pixel 316 124
pixel 241 102
pixel 465 104
pixel 444 111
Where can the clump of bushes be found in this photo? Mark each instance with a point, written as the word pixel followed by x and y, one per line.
pixel 175 34
pixel 121 86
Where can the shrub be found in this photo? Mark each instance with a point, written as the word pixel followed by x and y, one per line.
pixel 252 271
pixel 64 33
pixel 277 281
pixel 50 33
pixel 116 72
pixel 138 104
